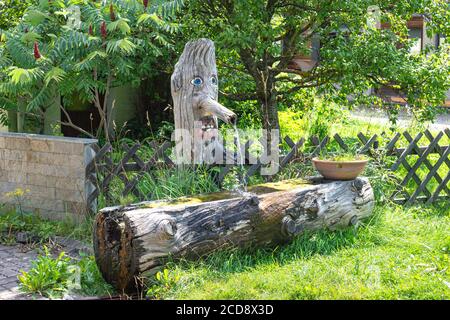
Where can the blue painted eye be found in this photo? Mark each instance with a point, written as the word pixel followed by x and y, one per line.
pixel 197 81
pixel 214 80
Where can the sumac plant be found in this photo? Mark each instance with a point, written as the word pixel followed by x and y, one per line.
pixel 82 48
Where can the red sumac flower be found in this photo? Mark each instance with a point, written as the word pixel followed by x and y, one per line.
pixel 103 30
pixel 112 15
pixel 91 31
pixel 145 4
pixel 37 54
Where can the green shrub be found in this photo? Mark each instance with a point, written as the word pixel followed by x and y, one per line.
pixel 162 283
pixel 12 11
pixel 54 277
pixel 92 282
pixel 48 276
pixel 12 222
pixel 322 117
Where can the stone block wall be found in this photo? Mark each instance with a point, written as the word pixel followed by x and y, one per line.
pixel 50 170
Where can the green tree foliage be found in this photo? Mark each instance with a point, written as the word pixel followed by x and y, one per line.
pixel 82 48
pixel 257 39
pixel 11 11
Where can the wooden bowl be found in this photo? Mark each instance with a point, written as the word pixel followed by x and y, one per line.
pixel 339 170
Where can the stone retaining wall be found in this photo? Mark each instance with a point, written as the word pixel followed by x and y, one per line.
pixel 50 170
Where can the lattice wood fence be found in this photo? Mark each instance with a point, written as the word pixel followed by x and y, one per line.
pixel 420 163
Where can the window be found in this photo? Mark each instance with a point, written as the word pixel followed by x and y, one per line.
pixel 416 35
pixel 440 40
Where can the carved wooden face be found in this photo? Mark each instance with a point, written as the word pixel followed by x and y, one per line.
pixel 205 85
pixel 195 87
pixel 195 90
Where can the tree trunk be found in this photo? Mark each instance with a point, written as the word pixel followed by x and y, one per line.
pixel 134 240
pixel 265 87
pixel 267 99
pixel 21 108
pixel 52 115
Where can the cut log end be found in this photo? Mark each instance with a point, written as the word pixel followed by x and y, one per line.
pixel 114 252
pixel 134 240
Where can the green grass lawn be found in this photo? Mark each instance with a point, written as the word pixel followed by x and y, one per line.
pixel 397 254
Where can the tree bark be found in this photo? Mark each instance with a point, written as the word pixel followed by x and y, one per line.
pixel 269 107
pixel 268 100
pixel 131 241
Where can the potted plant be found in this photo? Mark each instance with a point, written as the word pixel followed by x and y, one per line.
pixel 344 165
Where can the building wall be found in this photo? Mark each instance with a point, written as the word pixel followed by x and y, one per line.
pixel 50 170
pixel 125 101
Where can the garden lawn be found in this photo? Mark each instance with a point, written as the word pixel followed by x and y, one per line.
pixel 397 254
pixel 295 125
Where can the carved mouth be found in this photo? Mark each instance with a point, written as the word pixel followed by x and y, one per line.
pixel 208 123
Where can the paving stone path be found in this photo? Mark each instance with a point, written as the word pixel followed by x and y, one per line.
pixel 13 259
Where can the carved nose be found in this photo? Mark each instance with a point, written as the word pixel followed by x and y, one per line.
pixel 211 106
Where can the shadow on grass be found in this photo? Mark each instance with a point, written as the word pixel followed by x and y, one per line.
pixel 438 209
pixel 310 244
pixel 303 247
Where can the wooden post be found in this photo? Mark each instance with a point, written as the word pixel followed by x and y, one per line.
pixel 195 89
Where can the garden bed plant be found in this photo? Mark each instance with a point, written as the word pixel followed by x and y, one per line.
pixel 60 276
pixel 31 229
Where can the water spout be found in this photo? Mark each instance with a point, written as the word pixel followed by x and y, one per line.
pixel 241 188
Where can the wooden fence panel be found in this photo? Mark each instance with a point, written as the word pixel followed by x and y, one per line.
pixel 410 162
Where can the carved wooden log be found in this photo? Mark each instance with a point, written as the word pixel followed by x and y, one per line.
pixel 195 90
pixel 132 240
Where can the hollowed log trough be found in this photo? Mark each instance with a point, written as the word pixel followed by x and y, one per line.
pixel 136 240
